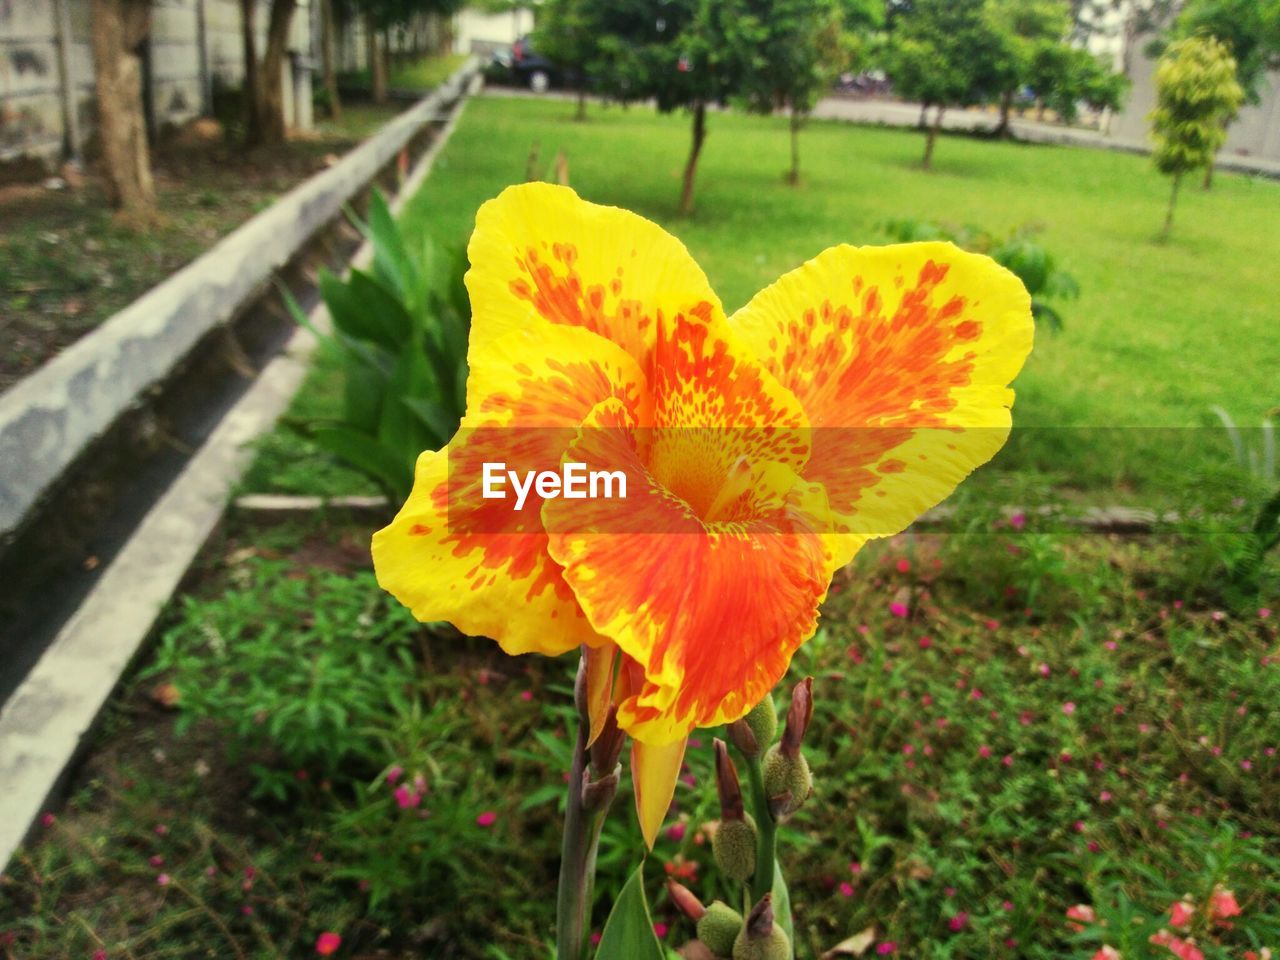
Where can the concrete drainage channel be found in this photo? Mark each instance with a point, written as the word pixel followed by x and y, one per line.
pixel 117 457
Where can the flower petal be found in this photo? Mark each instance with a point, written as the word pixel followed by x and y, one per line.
pixel 600 663
pixel 451 554
pixel 712 610
pixel 654 771
pixel 901 357
pixel 475 579
pixel 539 253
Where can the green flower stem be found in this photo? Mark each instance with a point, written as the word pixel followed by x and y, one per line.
pixel 577 859
pixel 766 831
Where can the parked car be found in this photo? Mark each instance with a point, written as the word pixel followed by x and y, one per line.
pixel 524 66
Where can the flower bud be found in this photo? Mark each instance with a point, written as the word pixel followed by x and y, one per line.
pixel 761 938
pixel 598 794
pixel 787 780
pixel 727 785
pixel 763 721
pixel 607 748
pixel 798 716
pixel 719 928
pixel 734 846
pixel 686 901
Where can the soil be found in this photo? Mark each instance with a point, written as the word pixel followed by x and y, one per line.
pixel 66 264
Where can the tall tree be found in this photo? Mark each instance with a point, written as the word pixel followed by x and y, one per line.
pixel 566 34
pixel 119 28
pixel 1245 28
pixel 264 91
pixel 941 54
pixel 673 51
pixel 1196 95
pixel 791 51
pixel 1027 29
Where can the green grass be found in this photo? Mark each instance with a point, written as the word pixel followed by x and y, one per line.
pixel 1159 333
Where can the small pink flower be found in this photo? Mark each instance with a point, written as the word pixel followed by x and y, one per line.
pixel 925 643
pixel 855 867
pixel 975 694
pixel 904 566
pixel 1093 846
pixel 247 910
pixel 161 830
pixel 487 819
pixel 48 820
pixel 1068 708
pixel 1018 521
pixel 156 861
pixel 1181 914
pixel 1264 613
pixel 1223 903
pixel 898 609
pixel 163 880
pixel 675 832
pixel 984 751
pixel 1246 764
pixel 1082 913
pixel 395 773
pixel 1007 760
pixel 1105 796
pixel 526 695
pixel 958 922
pixel 1177 604
pixel 99 955
pixel 660 929
pixel 1044 669
pixel 886 948
pixel 846 888
pixel 908 749
pixel 1107 953
pixel 1218 616
pixel 328 943
pixel 210 871
pixel 1078 826
pixel 1007 906
pixel 595 938
pixel 406 798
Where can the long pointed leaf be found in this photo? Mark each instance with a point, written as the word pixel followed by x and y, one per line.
pixel 628 933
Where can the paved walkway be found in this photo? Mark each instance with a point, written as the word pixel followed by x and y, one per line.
pixel 894 114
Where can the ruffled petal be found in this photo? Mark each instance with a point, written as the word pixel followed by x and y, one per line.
pixel 541 255
pixel 711 610
pixel 901 357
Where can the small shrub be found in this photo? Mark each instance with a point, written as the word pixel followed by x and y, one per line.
pixel 400 333
pixel 301 675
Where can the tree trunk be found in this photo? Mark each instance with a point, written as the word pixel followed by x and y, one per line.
pixel 272 70
pixel 377 61
pixel 793 176
pixel 1173 200
pixel 924 115
pixel 264 101
pixel 1006 107
pixel 328 54
pixel 1208 174
pixel 582 96
pixel 249 49
pixel 695 148
pixel 930 139
pixel 119 26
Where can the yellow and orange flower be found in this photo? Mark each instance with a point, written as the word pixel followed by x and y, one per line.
pixel 761 452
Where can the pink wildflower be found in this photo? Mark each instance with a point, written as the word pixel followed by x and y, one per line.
pixel 1223 903
pixel 898 609
pixel 1068 708
pixel 958 922
pixel 1181 913
pixel 487 819
pixel 395 773
pixel 328 943
pixel 1107 953
pixel 846 888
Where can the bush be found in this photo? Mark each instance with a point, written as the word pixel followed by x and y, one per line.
pixel 400 335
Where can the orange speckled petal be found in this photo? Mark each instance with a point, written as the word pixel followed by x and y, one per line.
pixel 542 255
pixel 902 358
pixel 711 610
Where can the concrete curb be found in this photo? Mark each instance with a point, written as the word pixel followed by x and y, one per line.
pixel 50 417
pixel 47 720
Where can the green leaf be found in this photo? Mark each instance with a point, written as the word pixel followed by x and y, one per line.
pixel 351 317
pixel 436 418
pixel 391 262
pixel 628 933
pixel 782 905
pixel 382 307
pixel 368 456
